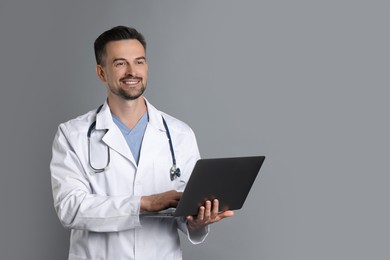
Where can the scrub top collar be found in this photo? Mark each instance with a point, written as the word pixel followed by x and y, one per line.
pixel 104 118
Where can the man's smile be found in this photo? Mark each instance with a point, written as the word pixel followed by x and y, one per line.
pixel 131 81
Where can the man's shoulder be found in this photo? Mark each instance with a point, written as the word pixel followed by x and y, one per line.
pixel 80 123
pixel 176 125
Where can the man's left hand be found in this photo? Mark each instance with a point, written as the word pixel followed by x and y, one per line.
pixel 207 214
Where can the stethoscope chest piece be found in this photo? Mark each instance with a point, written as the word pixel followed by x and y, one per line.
pixel 175 172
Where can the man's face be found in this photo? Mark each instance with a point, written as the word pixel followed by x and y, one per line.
pixel 125 69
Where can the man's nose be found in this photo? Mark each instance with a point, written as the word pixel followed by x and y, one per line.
pixel 130 71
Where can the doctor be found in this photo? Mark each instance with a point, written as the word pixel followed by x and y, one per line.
pixel 101 187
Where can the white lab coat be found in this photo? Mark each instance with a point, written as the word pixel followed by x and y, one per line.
pixel 102 209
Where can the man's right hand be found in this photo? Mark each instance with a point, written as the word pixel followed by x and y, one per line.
pixel 161 201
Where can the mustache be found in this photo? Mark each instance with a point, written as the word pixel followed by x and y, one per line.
pixel 130 77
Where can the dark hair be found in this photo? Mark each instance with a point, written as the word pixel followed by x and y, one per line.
pixel 115 34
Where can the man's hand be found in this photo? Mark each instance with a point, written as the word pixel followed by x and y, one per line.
pixel 207 214
pixel 161 201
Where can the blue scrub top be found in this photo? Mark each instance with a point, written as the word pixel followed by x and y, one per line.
pixel 135 135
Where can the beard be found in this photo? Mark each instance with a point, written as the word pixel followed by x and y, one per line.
pixel 132 94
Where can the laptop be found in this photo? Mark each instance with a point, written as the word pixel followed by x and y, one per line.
pixel 227 179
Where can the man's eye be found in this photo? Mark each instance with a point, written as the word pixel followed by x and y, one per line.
pixel 140 62
pixel 119 64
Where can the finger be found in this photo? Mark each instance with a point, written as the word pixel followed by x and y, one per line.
pixel 207 211
pixel 190 218
pixel 191 222
pixel 173 203
pixel 173 194
pixel 201 213
pixel 178 195
pixel 225 214
pixel 215 209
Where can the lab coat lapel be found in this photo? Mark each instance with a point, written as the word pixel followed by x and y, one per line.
pixel 114 137
pixel 155 139
pixel 115 140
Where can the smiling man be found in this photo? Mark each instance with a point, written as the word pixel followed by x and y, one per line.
pixel 125 69
pixel 112 164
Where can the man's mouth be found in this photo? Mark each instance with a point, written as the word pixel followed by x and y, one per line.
pixel 131 82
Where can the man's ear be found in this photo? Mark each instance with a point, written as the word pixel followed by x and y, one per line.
pixel 100 73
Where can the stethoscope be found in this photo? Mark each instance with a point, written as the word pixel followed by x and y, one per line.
pixel 174 172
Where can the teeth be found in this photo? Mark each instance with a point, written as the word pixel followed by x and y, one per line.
pixel 131 82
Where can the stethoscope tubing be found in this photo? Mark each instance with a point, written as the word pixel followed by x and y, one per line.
pixel 174 171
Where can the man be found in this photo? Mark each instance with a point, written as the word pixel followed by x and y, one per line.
pixel 102 187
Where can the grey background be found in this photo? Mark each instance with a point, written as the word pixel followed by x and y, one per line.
pixel 303 82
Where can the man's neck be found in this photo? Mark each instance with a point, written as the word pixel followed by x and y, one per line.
pixel 128 111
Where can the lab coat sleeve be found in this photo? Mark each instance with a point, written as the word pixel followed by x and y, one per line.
pixel 194 236
pixel 77 207
pixel 198 236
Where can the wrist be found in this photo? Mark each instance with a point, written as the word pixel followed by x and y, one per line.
pixel 144 204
